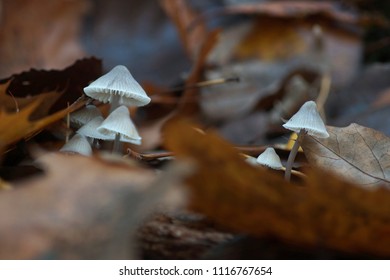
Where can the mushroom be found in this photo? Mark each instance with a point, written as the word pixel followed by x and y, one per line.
pixel 306 121
pixel 83 116
pixel 251 160
pixel 119 126
pixel 270 159
pixel 117 87
pixel 90 130
pixel 77 144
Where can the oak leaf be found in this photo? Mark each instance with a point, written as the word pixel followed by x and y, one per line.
pixel 357 153
pixel 18 125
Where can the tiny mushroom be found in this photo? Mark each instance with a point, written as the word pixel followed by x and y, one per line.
pixel 306 121
pixel 251 160
pixel 90 130
pixel 83 116
pixel 119 126
pixel 270 159
pixel 77 144
pixel 117 87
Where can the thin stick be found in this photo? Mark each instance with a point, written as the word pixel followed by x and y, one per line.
pixel 15 101
pixel 255 150
pixel 326 83
pixel 148 157
pixel 67 133
pixel 204 84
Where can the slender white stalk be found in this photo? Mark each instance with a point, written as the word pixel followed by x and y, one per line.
pixel 293 154
pixel 114 105
pixel 117 144
pixel 114 102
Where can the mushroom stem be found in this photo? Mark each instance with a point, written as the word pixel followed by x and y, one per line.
pixel 293 154
pixel 114 102
pixel 117 144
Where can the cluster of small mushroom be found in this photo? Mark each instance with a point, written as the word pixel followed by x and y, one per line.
pixel 306 121
pixel 121 90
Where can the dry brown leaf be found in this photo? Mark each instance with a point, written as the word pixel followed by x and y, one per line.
pixel 81 208
pixel 40 34
pixel 26 106
pixel 18 125
pixel 271 39
pixel 182 15
pixel 296 9
pixel 327 212
pixel 186 105
pixel 12 104
pixel 357 153
pixel 68 83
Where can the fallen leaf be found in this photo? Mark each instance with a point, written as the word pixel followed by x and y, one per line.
pixel 74 212
pixel 68 83
pixel 40 34
pixel 18 125
pixel 186 105
pixel 182 15
pixel 280 40
pixel 296 9
pixel 357 153
pixel 323 210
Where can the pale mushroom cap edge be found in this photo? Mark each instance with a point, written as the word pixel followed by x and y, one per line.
pixel 118 81
pixel 119 121
pixel 308 119
pixel 270 159
pixel 78 144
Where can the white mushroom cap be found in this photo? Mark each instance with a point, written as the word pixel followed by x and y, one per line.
pixel 308 119
pixel 270 159
pixel 119 82
pixel 251 160
pixel 119 122
pixel 77 144
pixel 90 129
pixel 84 115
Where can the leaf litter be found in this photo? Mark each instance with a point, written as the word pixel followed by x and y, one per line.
pixel 322 210
pixel 341 202
pixel 90 216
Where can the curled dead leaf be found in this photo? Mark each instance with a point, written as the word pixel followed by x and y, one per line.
pixel 356 153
